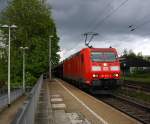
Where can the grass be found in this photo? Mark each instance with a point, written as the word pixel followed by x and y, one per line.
pixel 139 77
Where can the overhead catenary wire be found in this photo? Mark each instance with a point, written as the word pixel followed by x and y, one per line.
pixel 69 50
pixel 72 48
pixel 109 15
pixel 105 18
pixel 99 23
pixel 137 23
pixel 134 27
pixel 102 11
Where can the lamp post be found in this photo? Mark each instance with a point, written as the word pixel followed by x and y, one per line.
pixel 23 50
pixel 9 29
pixel 50 39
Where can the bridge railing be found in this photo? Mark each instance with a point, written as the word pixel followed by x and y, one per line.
pixel 26 115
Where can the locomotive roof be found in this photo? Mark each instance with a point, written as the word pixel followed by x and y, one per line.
pixel 93 49
pixel 102 49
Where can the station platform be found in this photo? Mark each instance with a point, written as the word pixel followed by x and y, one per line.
pixel 62 103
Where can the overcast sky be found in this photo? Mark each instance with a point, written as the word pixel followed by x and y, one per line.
pixel 109 18
pixel 3 3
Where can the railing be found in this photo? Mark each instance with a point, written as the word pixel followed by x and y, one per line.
pixel 15 93
pixel 26 115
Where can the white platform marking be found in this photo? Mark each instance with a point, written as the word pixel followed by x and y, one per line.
pixel 95 114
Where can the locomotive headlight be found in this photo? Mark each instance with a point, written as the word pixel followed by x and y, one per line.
pixel 96 68
pixel 95 75
pixel 116 75
pixel 115 68
pixel 105 64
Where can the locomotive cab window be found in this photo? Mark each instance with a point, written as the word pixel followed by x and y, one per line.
pixel 103 56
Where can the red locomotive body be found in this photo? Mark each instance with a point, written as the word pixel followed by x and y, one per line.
pixel 93 67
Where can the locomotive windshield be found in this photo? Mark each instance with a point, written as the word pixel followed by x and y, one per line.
pixel 103 56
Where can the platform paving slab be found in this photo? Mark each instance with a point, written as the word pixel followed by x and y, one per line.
pixel 56 100
pixel 42 121
pixel 55 96
pixel 60 106
pixel 77 118
pixel 61 117
pixel 43 112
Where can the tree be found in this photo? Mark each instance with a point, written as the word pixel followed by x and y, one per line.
pixel 35 25
pixel 131 53
pixel 139 55
pixel 125 52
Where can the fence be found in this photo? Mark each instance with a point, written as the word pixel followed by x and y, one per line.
pixel 26 115
pixel 15 93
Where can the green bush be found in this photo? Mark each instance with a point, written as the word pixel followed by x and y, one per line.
pixel 30 79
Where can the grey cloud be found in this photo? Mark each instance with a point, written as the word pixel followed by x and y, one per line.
pixel 74 17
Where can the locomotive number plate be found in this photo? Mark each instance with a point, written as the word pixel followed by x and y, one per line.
pixel 105 68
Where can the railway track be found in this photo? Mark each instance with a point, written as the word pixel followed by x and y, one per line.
pixel 137 87
pixel 135 110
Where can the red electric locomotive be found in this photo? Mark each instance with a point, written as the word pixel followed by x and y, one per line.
pixel 95 68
